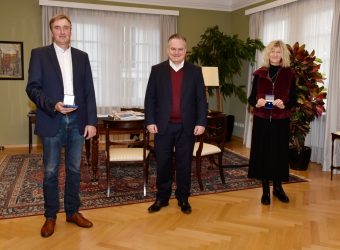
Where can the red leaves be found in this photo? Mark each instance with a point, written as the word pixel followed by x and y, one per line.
pixel 310 92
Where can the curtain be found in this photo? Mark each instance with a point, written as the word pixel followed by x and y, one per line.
pixel 122 47
pixel 255 31
pixel 169 27
pixel 47 14
pixel 307 22
pixel 333 100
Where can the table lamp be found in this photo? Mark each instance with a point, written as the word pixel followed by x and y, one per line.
pixel 211 79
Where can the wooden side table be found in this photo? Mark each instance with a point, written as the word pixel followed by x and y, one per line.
pixel 31 121
pixel 335 135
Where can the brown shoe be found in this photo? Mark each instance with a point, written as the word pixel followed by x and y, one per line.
pixel 48 228
pixel 78 219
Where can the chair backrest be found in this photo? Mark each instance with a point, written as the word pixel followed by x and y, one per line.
pixel 215 131
pixel 119 127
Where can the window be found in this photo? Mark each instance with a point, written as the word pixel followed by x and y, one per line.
pixel 122 47
pixel 312 27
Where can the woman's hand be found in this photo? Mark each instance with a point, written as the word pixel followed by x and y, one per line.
pixel 260 103
pixel 279 103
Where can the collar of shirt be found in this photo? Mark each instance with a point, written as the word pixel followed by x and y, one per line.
pixel 60 50
pixel 176 67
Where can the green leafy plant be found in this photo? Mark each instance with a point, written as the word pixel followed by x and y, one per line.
pixel 310 93
pixel 227 53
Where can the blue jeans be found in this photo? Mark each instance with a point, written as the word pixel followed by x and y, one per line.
pixel 69 137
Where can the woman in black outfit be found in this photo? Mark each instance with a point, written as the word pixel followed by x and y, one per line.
pixel 272 97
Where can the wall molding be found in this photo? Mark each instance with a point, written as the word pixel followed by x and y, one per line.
pixel 108 7
pixel 268 6
pixel 217 5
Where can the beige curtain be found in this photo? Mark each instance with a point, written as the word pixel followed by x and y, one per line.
pixel 47 13
pixel 287 23
pixel 122 47
pixel 333 100
pixel 255 32
pixel 169 27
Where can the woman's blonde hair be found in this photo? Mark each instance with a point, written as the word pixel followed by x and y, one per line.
pixel 285 60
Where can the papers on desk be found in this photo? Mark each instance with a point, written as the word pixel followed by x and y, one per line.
pixel 128 115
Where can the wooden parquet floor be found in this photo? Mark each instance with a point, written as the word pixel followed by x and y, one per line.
pixel 233 220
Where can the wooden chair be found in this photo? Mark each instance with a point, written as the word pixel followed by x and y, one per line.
pixel 135 110
pixel 335 136
pixel 211 145
pixel 125 152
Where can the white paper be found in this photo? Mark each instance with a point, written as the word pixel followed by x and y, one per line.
pixel 269 98
pixel 69 99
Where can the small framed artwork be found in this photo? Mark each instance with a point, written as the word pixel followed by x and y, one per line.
pixel 11 60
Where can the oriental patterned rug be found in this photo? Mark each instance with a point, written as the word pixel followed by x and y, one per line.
pixel 21 183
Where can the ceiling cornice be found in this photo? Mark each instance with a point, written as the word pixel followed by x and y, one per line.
pixel 239 4
pixel 218 5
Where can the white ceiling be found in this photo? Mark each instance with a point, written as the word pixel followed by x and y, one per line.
pixel 221 5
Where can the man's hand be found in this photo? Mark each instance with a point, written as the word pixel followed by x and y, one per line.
pixel 199 130
pixel 90 131
pixel 60 108
pixel 152 128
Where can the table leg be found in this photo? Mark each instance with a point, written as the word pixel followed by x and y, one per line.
pixel 29 135
pixel 94 155
pixel 332 167
pixel 88 151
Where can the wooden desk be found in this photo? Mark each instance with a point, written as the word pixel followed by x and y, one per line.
pixel 92 145
pixel 335 135
pixel 31 121
pixel 92 148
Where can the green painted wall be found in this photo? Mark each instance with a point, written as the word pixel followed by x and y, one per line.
pixel 233 106
pixel 21 21
pixel 192 23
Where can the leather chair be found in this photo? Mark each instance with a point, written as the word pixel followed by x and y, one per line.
pixel 211 145
pixel 126 152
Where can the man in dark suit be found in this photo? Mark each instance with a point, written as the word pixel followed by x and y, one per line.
pixel 175 111
pixel 60 84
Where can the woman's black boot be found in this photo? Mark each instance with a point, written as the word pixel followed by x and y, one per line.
pixel 265 199
pixel 279 192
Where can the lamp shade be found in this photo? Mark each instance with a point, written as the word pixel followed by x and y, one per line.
pixel 210 76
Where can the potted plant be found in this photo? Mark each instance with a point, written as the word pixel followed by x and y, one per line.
pixel 310 102
pixel 227 53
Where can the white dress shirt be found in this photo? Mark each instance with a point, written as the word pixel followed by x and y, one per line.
pixel 65 63
pixel 176 67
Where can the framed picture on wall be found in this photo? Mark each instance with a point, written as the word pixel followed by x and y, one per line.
pixel 11 60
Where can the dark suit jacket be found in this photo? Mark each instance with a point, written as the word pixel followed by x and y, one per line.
pixel 158 97
pixel 45 88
